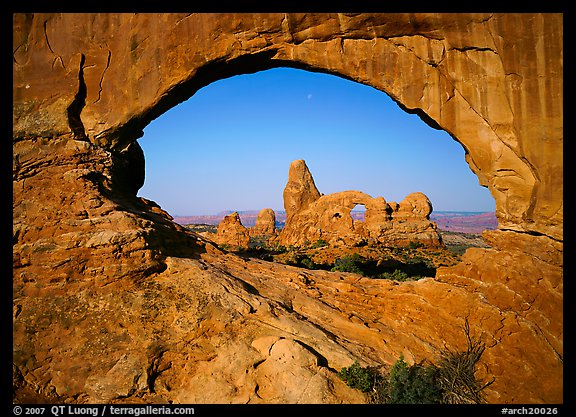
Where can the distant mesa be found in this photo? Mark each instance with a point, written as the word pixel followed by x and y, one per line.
pixel 311 216
pixel 464 222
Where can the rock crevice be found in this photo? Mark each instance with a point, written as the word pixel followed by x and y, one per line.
pixel 75 108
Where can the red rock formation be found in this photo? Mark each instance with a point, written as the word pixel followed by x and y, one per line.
pixel 428 63
pixel 232 233
pixel 311 217
pixel 265 224
pixel 300 191
pixel 108 289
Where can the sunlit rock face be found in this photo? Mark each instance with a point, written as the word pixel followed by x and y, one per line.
pixel 311 217
pixel 265 226
pixel 231 232
pixel 113 302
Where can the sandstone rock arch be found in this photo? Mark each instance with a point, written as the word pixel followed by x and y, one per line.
pixel 85 85
pixel 140 76
pixel 311 216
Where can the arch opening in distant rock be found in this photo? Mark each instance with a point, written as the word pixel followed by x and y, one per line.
pixel 359 211
pixel 126 135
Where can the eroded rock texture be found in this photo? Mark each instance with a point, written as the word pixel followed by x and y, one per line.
pixel 265 226
pixel 113 302
pixel 311 216
pixel 232 232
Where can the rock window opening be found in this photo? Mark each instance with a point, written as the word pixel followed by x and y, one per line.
pixel 210 156
pixel 358 213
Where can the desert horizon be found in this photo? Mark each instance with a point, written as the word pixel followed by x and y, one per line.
pixel 453 221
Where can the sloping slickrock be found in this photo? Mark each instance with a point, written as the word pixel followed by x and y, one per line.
pixel 378 320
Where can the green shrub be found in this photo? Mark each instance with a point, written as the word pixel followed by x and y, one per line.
pixel 405 384
pixel 451 381
pixel 279 248
pixel 349 263
pixel 415 245
pixel 396 275
pixel 457 249
pixel 320 243
pixel 358 377
pixel 308 263
pixel 257 242
pixel 414 384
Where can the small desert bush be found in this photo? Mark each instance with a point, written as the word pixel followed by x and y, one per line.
pixel 456 373
pixel 257 242
pixel 320 243
pixel 416 384
pixel 451 381
pixel 458 249
pixel 308 263
pixel 358 377
pixel 349 263
pixel 415 245
pixel 404 384
pixel 276 248
pixel 396 275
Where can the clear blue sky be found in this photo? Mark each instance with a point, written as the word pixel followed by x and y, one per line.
pixel 230 145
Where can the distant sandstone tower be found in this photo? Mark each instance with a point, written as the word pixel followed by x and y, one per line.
pixel 231 232
pixel 265 224
pixel 300 191
pixel 311 216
